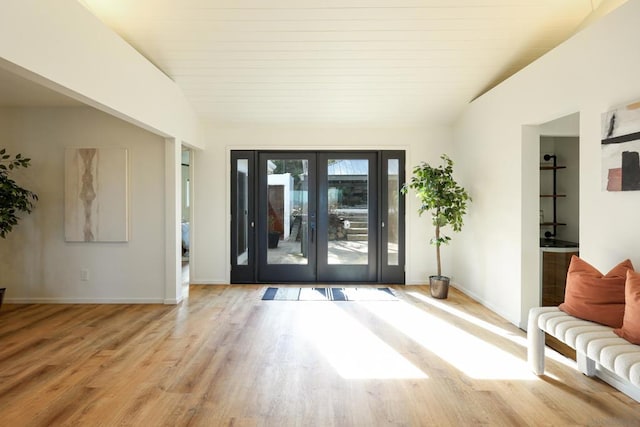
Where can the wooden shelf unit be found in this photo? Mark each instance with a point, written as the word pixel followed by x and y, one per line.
pixel 555 196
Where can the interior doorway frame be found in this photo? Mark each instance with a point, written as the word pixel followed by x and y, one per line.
pixel 188 200
pixel 531 259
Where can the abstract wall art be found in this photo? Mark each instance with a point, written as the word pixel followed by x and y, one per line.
pixel 96 200
pixel 620 143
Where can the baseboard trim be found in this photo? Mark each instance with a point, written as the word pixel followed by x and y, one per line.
pixel 84 301
pixel 208 282
pixel 483 302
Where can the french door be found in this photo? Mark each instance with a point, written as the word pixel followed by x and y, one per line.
pixel 287 217
pixel 317 216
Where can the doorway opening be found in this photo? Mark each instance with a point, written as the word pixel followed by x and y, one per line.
pixel 185 225
pixel 559 137
pixel 300 216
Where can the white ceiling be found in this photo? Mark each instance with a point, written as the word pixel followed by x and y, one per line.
pixel 373 62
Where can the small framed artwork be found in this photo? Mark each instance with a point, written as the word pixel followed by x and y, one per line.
pixel 96 199
pixel 621 149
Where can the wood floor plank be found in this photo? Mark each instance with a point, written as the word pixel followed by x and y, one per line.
pixel 225 357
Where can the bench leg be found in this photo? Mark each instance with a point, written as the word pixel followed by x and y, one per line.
pixel 585 365
pixel 535 350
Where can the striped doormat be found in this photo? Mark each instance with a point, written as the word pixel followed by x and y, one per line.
pixel 329 294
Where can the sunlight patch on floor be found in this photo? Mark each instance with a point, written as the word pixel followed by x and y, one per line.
pixel 472 319
pixel 352 349
pixel 466 352
pixel 520 340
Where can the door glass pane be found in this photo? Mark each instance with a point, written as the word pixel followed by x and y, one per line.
pixel 348 215
pixel 393 185
pixel 287 210
pixel 242 209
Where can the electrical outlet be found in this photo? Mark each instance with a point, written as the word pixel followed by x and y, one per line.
pixel 84 275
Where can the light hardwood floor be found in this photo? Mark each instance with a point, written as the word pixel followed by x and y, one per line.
pixel 224 357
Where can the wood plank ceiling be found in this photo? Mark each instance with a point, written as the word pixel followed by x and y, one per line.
pixel 356 62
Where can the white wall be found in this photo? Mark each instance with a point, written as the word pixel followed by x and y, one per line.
pixel 35 261
pixel 210 246
pixel 497 257
pixel 62 46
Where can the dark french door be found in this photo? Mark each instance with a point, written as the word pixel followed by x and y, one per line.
pixel 317 216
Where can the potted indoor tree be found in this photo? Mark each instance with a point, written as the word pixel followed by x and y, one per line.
pixel 14 199
pixel 446 201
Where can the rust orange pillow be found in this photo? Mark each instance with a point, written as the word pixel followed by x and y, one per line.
pixel 592 296
pixel 631 322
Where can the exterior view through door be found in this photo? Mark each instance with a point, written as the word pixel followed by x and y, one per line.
pixel 317 216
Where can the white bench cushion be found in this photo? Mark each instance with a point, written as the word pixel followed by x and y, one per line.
pixel 598 342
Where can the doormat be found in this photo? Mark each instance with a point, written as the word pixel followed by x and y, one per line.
pixel 329 294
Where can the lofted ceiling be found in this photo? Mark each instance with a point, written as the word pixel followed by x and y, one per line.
pixel 340 61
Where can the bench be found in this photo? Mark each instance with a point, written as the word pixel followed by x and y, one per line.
pixel 599 351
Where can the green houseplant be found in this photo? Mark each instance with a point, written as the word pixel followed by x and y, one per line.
pixel 446 201
pixel 14 199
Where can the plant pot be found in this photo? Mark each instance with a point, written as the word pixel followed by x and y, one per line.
pixel 2 295
pixel 439 286
pixel 274 237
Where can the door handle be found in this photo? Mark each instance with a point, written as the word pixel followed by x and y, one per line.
pixel 312 224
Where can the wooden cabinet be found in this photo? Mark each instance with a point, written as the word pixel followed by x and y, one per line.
pixel 554 276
